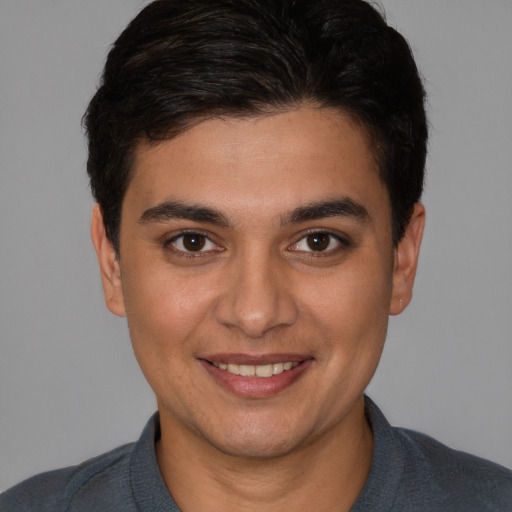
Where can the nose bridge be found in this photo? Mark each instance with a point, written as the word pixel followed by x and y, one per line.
pixel 256 297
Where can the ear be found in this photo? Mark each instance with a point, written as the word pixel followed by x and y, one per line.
pixel 406 261
pixel 109 264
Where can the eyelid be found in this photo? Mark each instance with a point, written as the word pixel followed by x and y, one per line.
pixel 168 243
pixel 343 243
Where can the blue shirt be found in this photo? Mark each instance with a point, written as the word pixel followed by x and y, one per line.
pixel 410 472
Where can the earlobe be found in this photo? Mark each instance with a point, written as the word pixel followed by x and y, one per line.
pixel 109 264
pixel 406 261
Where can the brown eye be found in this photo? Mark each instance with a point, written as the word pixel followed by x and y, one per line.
pixel 322 243
pixel 194 242
pixel 318 241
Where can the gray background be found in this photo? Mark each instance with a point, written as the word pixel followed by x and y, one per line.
pixel 69 385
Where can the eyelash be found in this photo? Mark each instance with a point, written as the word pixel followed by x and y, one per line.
pixel 342 244
pixel 184 253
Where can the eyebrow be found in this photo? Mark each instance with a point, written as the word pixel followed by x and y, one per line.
pixel 169 210
pixel 344 207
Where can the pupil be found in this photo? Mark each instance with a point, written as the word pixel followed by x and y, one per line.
pixel 193 242
pixel 318 241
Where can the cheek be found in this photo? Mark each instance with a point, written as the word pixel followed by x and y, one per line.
pixel 164 311
pixel 165 315
pixel 352 311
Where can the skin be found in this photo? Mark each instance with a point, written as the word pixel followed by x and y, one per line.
pixel 260 288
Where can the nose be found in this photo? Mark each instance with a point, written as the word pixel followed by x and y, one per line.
pixel 257 297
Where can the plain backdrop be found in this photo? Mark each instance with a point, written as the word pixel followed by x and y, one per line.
pixel 69 385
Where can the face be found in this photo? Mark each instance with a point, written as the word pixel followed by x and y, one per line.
pixel 257 274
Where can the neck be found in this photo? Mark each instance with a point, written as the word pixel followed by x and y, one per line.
pixel 325 474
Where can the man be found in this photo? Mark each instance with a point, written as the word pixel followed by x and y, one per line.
pixel 257 167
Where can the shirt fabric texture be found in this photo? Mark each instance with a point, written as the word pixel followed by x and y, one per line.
pixel 410 472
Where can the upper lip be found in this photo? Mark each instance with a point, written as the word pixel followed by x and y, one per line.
pixel 251 359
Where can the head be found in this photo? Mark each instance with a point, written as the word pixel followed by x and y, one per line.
pixel 257 165
pixel 181 62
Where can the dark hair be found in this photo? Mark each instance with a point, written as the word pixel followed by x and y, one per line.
pixel 181 61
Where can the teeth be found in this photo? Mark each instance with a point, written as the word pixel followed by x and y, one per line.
pixel 264 370
pixel 260 370
pixel 234 368
pixel 247 370
pixel 277 368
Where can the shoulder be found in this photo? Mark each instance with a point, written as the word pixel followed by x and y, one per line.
pixel 82 487
pixel 414 472
pixel 453 476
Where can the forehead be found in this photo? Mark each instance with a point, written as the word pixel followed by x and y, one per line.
pixel 240 164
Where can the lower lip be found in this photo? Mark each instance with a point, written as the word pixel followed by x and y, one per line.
pixel 256 387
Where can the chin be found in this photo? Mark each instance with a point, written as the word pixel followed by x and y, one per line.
pixel 257 439
pixel 255 447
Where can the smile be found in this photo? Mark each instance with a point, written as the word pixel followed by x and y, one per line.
pixel 256 376
pixel 252 370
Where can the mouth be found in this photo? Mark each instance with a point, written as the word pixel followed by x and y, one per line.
pixel 256 377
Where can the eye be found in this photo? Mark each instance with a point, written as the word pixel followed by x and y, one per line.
pixel 319 241
pixel 192 242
